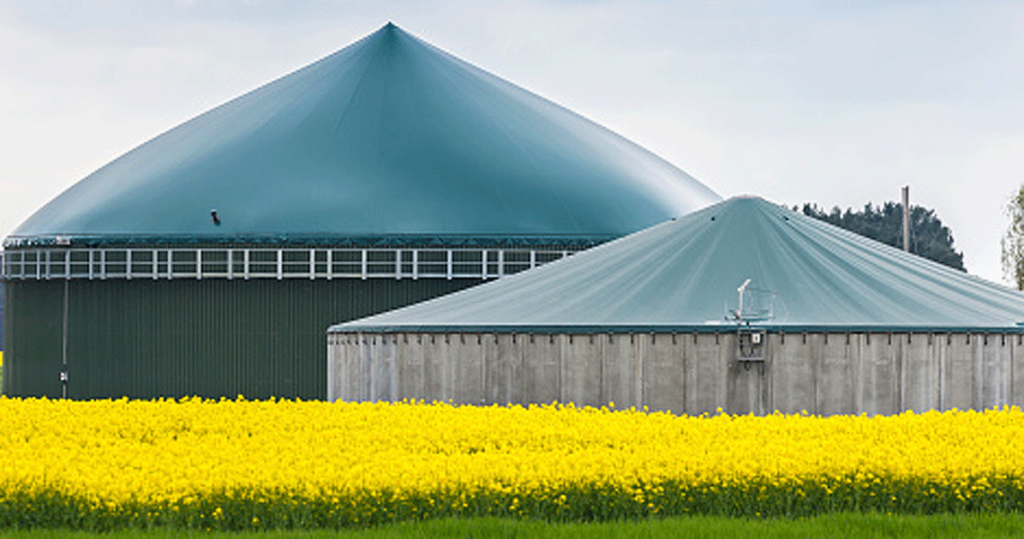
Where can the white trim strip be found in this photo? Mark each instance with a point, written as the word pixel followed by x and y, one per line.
pixel 269 263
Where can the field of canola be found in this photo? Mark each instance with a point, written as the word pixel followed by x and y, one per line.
pixel 256 465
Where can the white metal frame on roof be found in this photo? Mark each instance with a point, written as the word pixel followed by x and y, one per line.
pixel 266 263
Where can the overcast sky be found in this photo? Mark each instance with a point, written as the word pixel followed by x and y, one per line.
pixel 831 102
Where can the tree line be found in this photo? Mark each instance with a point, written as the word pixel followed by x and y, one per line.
pixel 928 236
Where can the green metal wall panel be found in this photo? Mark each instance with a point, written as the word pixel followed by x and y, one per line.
pixel 2 302
pixel 34 310
pixel 170 338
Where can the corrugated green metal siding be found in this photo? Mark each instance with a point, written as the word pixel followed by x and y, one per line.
pixel 156 338
pixel 2 315
pixel 33 308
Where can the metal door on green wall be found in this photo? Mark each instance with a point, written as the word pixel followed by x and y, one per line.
pixel 33 331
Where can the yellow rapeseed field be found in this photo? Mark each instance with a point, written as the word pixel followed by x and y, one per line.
pixel 240 464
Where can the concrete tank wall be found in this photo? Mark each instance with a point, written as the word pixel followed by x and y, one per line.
pixel 687 373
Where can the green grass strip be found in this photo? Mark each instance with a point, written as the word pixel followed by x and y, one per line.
pixel 843 525
pixel 285 510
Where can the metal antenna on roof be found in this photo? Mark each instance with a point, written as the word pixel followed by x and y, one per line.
pixel 754 305
pixel 741 290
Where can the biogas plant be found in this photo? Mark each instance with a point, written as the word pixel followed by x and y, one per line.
pixel 340 202
pixel 211 259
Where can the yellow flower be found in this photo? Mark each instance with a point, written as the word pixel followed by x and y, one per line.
pixel 366 460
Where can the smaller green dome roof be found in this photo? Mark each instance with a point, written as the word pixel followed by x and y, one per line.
pixel 796 274
pixel 387 140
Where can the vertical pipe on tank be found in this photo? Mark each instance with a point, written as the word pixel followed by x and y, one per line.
pixel 64 344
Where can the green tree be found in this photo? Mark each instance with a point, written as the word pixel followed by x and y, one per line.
pixel 1012 242
pixel 928 236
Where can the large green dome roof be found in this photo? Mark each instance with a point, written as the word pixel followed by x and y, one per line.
pixel 387 140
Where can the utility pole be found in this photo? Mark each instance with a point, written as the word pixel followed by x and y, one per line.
pixel 906 218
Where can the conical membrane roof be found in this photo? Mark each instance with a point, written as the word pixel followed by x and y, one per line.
pixel 389 140
pixel 685 275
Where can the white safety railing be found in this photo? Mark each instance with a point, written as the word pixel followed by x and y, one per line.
pixel 263 263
